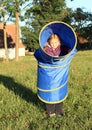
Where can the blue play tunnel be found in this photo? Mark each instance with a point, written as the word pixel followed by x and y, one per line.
pixel 52 78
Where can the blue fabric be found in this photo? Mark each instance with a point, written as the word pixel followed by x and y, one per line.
pixel 52 79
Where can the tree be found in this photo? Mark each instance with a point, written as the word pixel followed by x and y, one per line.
pixel 82 22
pixel 15 8
pixel 3 14
pixel 29 39
pixel 43 12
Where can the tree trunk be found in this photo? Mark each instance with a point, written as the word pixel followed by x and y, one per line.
pixel 17 38
pixel 5 42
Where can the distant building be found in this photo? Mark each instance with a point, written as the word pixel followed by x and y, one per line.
pixel 83 43
pixel 81 39
pixel 11 36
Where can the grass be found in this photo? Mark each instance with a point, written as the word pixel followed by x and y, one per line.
pixel 20 109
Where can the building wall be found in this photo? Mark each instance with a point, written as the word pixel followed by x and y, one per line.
pixel 11 42
pixel 11 53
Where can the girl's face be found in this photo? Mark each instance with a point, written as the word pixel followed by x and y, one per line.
pixel 54 43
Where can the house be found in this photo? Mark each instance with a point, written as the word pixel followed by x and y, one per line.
pixel 11 35
pixel 83 43
pixel 81 39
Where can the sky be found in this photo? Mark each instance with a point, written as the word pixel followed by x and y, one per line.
pixel 84 4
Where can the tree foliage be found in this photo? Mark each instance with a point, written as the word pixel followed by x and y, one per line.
pixel 11 6
pixel 29 38
pixel 82 22
pixel 43 12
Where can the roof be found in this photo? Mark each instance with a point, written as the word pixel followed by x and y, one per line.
pixel 81 39
pixel 11 36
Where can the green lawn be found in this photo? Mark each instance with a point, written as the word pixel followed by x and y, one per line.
pixel 20 109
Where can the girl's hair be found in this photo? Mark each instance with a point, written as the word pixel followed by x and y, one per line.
pixel 54 36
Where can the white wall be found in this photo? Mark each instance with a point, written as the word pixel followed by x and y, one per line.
pixel 11 53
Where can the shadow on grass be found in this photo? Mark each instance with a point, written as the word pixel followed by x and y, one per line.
pixel 20 90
